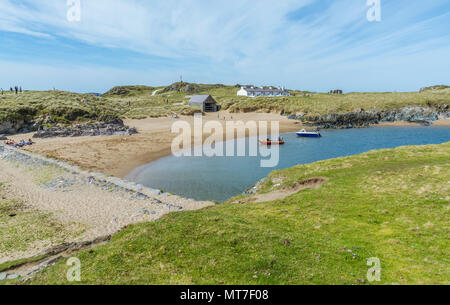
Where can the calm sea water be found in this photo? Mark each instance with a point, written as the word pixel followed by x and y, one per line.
pixel 220 178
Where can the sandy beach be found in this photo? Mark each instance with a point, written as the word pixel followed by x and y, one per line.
pixel 84 206
pixel 119 155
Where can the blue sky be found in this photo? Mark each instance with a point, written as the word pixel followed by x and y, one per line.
pixel 303 44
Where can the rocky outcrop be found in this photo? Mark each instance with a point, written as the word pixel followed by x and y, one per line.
pixel 18 126
pixel 110 128
pixel 361 118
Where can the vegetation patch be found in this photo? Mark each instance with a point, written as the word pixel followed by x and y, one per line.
pixel 22 228
pixel 20 262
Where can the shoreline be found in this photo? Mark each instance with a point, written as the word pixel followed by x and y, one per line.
pixel 98 216
pixel 440 122
pixel 119 156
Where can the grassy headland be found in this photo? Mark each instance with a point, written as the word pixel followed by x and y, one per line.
pixel 390 204
pixel 138 102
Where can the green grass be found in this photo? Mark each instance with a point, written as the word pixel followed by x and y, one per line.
pixel 390 204
pixel 58 107
pixel 321 103
pixel 20 262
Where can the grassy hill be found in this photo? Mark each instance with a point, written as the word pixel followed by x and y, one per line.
pixel 390 204
pixel 129 91
pixel 58 106
pixel 138 102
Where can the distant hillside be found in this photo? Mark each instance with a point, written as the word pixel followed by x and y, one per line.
pixel 31 109
pixel 189 87
pixel 433 88
pixel 130 90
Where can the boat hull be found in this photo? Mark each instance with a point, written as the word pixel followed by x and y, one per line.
pixel 308 135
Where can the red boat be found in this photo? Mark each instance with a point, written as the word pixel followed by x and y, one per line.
pixel 270 142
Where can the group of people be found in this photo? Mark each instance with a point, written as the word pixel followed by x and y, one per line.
pixel 16 89
pixel 22 143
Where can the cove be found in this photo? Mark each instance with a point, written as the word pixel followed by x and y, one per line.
pixel 220 178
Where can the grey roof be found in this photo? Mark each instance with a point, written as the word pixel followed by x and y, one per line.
pixel 248 89
pixel 199 98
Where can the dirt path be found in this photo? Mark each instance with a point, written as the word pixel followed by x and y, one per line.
pixel 278 193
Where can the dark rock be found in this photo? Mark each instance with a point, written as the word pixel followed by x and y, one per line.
pixel 112 127
pixel 15 126
pixel 421 122
pixel 141 196
pixel 362 118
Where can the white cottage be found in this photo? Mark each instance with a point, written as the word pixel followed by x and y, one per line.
pixel 256 92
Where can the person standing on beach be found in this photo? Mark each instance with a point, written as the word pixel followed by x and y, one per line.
pixel 20 89
pixel 16 88
pixel 2 91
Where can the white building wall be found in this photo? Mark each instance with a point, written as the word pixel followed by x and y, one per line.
pixel 242 92
pixel 268 93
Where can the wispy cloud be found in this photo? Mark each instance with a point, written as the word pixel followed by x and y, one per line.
pixel 303 44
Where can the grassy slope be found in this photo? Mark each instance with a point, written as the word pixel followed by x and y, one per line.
pixel 390 204
pixel 57 105
pixel 322 103
pixel 65 107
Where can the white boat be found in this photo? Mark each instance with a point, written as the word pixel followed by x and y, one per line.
pixel 308 134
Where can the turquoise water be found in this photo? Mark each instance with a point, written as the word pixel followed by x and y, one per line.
pixel 220 178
